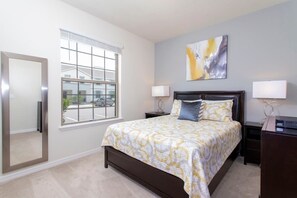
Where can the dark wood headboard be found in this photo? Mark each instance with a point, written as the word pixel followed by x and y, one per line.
pixel 236 96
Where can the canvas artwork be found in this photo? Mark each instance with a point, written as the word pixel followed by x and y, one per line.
pixel 207 59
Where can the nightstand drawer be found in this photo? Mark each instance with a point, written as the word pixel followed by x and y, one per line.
pixel 253 134
pixel 253 144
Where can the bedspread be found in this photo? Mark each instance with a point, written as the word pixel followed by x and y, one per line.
pixel 192 151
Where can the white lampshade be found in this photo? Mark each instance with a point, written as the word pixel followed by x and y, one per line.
pixel 160 91
pixel 270 89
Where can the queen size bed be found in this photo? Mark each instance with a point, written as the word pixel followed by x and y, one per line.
pixel 178 158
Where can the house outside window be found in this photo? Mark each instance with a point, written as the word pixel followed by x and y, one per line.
pixel 89 77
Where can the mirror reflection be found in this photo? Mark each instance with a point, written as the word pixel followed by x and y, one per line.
pixel 25 111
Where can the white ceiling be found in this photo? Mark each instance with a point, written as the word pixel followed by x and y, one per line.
pixel 158 20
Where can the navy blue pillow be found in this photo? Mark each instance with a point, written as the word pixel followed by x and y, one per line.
pixel 190 111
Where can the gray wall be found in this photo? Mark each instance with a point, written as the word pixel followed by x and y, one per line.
pixel 261 46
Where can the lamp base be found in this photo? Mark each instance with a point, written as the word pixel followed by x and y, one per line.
pixel 269 109
pixel 160 104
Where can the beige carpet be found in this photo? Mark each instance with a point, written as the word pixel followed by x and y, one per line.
pixel 87 178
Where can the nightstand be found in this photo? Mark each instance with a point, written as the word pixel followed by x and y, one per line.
pixel 155 114
pixel 252 142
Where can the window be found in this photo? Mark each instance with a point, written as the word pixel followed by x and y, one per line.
pixel 89 73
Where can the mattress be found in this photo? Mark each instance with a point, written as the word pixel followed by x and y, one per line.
pixel 192 151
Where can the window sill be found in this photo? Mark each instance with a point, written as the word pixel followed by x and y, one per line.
pixel 88 124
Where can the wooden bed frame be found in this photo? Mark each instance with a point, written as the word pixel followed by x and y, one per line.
pixel 165 184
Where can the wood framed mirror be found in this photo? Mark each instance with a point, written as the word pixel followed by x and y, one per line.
pixel 24 91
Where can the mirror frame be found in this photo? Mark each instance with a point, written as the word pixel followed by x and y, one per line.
pixel 5 93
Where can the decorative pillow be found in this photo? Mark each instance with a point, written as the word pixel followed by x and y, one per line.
pixel 218 110
pixel 190 111
pixel 201 110
pixel 176 106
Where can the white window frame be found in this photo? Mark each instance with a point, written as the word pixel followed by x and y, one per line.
pixel 93 44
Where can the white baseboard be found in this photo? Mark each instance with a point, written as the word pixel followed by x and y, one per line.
pixel 26 171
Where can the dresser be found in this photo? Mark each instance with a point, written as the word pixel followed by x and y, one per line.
pixel 278 159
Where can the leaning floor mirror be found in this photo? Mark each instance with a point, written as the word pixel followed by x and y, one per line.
pixel 24 110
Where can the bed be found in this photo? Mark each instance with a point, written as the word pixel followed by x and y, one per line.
pixel 163 177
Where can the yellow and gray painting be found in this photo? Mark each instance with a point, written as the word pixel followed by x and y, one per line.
pixel 207 59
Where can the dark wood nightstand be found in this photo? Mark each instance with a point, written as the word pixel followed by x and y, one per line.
pixel 252 142
pixel 155 114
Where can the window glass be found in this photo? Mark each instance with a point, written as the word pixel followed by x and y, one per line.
pixel 98 74
pixel 84 48
pixel 70 116
pixel 84 59
pixel 99 90
pixel 85 88
pixel 109 54
pixel 85 114
pixel 110 75
pixel 98 51
pixel 99 113
pixel 89 82
pixel 111 97
pixel 68 56
pixel 68 71
pixel 65 43
pixel 71 87
pixel 110 64
pixel 84 73
pixel 111 91
pixel 98 62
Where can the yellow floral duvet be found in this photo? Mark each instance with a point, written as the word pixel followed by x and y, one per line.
pixel 192 151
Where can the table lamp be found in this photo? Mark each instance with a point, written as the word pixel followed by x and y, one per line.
pixel 159 92
pixel 270 92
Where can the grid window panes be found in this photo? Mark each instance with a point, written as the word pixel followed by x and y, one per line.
pixel 89 82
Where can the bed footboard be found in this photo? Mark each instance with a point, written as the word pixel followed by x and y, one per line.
pixel 160 182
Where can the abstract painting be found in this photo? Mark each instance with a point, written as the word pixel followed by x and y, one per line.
pixel 207 59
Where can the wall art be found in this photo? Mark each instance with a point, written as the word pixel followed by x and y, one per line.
pixel 207 59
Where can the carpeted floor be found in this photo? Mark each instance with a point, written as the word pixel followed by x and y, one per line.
pixel 87 178
pixel 25 147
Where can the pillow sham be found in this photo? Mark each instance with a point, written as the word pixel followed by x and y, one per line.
pixel 217 110
pixel 190 111
pixel 175 108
